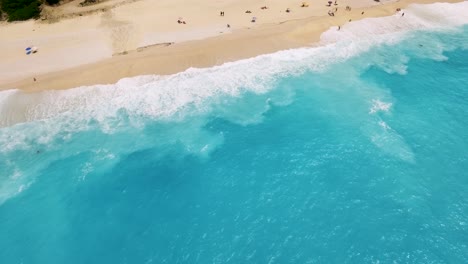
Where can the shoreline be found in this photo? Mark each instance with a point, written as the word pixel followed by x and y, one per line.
pixel 170 58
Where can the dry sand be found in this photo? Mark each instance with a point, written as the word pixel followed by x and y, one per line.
pixel 118 38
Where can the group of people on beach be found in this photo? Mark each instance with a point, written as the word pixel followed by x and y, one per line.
pixel 331 2
pixel 398 10
pixel 288 10
pixel 254 19
pixel 334 10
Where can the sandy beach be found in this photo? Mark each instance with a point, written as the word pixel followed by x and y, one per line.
pixel 103 43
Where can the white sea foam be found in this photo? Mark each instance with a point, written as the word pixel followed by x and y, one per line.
pixel 384 125
pixel 86 169
pixel 379 106
pixel 14 183
pixel 59 114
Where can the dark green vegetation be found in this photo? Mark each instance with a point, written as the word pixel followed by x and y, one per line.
pixel 52 2
pixel 21 9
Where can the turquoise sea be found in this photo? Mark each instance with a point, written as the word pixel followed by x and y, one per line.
pixel 351 152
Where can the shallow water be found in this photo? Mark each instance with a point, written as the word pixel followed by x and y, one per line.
pixel 355 152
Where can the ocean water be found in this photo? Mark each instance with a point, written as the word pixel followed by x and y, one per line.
pixel 355 151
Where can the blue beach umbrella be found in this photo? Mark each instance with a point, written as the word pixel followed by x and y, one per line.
pixel 30 50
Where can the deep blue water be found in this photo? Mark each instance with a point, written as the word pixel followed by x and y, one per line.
pixel 362 162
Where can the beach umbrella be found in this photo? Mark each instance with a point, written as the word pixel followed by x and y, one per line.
pixel 30 50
